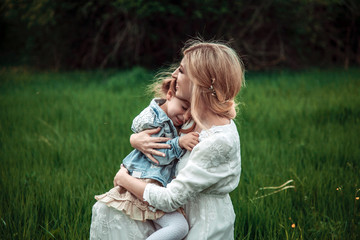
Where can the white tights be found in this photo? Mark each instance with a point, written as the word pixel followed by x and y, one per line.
pixel 173 226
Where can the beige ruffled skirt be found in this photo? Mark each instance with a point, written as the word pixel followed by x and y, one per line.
pixel 121 199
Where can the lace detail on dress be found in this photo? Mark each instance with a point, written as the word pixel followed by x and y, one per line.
pixel 108 223
pixel 185 196
pixel 218 154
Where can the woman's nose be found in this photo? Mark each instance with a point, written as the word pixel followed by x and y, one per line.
pixel 175 73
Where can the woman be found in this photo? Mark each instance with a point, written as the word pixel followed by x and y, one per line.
pixel 210 76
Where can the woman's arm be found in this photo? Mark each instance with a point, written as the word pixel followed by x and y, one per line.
pixel 213 166
pixel 133 185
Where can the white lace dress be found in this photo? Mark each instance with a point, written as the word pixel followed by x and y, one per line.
pixel 204 179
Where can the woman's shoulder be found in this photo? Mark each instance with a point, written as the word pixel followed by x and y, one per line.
pixel 223 135
pixel 219 140
pixel 217 146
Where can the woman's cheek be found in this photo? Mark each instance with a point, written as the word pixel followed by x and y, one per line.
pixel 188 91
pixel 184 94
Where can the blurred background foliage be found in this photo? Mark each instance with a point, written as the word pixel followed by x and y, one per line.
pixel 122 33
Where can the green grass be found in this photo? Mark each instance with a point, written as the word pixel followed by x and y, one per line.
pixel 63 136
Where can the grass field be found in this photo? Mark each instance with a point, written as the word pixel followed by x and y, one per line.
pixel 63 136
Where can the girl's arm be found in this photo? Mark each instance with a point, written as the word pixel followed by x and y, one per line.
pixel 179 145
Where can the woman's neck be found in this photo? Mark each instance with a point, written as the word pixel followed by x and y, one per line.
pixel 209 119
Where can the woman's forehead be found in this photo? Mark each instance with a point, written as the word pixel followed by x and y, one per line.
pixel 183 62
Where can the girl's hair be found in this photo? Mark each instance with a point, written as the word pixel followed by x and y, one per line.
pixel 162 86
pixel 217 74
pixel 163 83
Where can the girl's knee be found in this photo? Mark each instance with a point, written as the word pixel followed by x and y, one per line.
pixel 181 227
pixel 183 230
pixel 172 224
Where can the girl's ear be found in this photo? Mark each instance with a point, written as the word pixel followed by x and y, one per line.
pixel 169 95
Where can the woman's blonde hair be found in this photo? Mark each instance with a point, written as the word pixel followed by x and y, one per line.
pixel 217 74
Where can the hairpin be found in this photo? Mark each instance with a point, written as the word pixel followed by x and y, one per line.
pixel 212 87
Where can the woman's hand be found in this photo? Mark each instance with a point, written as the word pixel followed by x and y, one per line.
pixel 144 142
pixel 120 175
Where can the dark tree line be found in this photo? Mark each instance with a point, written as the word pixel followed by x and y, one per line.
pixel 121 33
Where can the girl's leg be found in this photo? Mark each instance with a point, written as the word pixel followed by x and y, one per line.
pixel 173 227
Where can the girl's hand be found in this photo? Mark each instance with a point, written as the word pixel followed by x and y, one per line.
pixel 144 142
pixel 120 175
pixel 189 141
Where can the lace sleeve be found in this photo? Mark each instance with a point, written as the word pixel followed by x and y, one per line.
pixel 211 162
pixel 143 121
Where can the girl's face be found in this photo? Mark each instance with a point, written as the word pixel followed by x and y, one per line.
pixel 183 83
pixel 177 109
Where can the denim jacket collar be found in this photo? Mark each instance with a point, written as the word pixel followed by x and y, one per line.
pixel 155 106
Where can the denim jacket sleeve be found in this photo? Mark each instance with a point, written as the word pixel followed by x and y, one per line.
pixel 172 153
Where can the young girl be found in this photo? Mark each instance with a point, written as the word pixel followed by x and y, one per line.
pixel 168 115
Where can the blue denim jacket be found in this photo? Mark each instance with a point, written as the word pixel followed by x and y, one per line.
pixel 137 163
